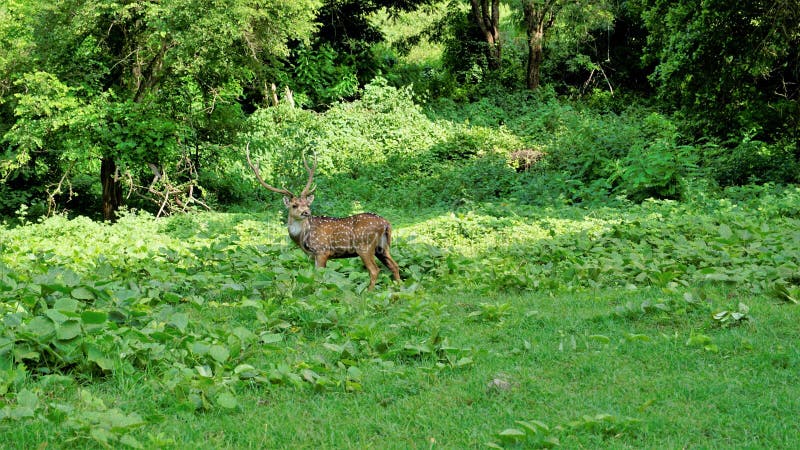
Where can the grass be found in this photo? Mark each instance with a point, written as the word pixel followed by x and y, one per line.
pixel 456 357
pixel 683 395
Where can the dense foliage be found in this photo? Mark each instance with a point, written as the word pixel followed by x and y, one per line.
pixel 214 316
pixel 137 90
pixel 607 257
pixel 732 68
pixel 153 102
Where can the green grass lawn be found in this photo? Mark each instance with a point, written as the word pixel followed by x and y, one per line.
pixel 661 325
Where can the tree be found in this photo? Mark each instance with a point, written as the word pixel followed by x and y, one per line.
pixel 732 67
pixel 578 19
pixel 134 88
pixel 340 55
pixel 487 16
pixel 539 17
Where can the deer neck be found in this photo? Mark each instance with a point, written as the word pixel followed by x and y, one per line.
pixel 298 228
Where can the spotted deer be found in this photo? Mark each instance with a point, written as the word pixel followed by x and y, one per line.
pixel 366 235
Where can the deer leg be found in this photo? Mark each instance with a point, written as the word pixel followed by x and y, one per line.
pixel 320 260
pixel 386 259
pixel 369 263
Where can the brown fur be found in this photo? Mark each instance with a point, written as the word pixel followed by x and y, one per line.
pixel 365 235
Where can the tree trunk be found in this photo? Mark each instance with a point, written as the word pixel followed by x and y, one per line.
pixel 112 193
pixel 488 19
pixel 494 55
pixel 539 17
pixel 535 58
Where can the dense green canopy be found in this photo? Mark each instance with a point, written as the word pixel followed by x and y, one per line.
pixel 104 103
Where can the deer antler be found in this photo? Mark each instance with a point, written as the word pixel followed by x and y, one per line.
pixel 310 171
pixel 283 191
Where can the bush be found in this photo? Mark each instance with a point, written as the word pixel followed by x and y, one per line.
pixel 559 188
pixel 479 179
pixel 11 199
pixel 752 161
pixel 386 149
pixel 320 77
pixel 654 171
pixel 622 153
pixel 469 142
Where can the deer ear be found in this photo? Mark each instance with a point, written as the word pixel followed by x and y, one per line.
pixel 310 199
pixel 287 201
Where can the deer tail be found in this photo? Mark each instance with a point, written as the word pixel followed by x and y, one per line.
pixel 386 239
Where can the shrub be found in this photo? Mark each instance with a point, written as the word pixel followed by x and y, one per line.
pixel 11 199
pixel 320 78
pixel 624 153
pixel 559 188
pixel 656 171
pixel 479 179
pixel 468 142
pixel 752 161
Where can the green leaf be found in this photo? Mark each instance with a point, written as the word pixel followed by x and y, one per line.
pixel 56 316
pixel 465 361
pixel 17 412
pixel 227 400
pixel 199 348
pixel 6 345
pixel 511 434
pixel 245 371
pixel 271 338
pixel 309 375
pixel 783 292
pixel 550 442
pixel 91 401
pixel 95 355
pixel 204 371
pixel 219 353
pixel 353 386
pixel 121 422
pixel 698 340
pixel 725 231
pixel 244 335
pixel 354 373
pixel 333 347
pixel 600 338
pixel 94 317
pixel 101 435
pixel 170 297
pixel 59 412
pixel 66 305
pixel 179 321
pixel 41 327
pixel 534 426
pixel 631 337
pixel 130 441
pixel 82 293
pixel 27 399
pixel 68 330
pixel 716 276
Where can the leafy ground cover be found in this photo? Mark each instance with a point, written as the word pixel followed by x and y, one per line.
pixel 663 324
